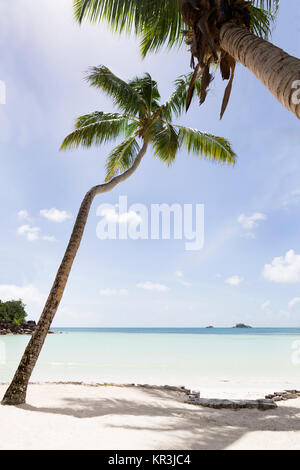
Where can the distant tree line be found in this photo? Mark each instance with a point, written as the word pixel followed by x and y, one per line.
pixel 12 311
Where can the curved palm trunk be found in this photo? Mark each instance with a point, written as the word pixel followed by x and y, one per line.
pixel 276 69
pixel 16 393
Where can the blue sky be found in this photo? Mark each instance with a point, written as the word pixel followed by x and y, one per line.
pixel 235 277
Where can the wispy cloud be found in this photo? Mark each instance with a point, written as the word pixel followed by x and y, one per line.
pixel 234 280
pixel 183 282
pixel 48 238
pixel 283 269
pixel 179 274
pixel 33 234
pixel 291 199
pixel 27 293
pixel 23 215
pixel 293 302
pixel 251 221
pixel 148 285
pixel 265 305
pixel 113 292
pixel 55 215
pixel 30 233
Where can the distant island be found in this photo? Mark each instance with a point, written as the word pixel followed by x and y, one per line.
pixel 238 325
pixel 13 319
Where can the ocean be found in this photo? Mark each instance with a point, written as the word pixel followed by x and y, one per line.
pixel 174 356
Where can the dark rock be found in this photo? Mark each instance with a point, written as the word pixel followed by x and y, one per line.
pixel 262 404
pixel 8 328
pixel 242 325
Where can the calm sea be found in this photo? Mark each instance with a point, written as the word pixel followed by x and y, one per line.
pixel 160 355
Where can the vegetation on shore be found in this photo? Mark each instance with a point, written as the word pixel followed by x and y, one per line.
pixel 13 312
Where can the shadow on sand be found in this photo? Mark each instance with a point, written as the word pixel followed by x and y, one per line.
pixel 193 427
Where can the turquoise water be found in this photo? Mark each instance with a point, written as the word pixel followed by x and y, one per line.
pixel 159 355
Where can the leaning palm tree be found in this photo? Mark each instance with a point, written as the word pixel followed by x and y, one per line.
pixel 143 121
pixel 217 31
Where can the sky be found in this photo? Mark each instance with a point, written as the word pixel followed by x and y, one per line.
pixel 249 267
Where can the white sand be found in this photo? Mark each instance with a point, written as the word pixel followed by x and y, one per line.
pixel 113 418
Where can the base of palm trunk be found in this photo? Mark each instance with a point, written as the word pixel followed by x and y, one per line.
pixel 14 396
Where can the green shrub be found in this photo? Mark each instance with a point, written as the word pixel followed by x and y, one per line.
pixel 12 311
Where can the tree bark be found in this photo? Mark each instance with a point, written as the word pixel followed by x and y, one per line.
pixel 276 69
pixel 16 393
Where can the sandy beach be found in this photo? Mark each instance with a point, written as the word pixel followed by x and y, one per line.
pixel 67 416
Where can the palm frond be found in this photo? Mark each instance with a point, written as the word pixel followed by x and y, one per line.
pixel 122 157
pixel 270 5
pixel 262 22
pixel 124 15
pixel 146 88
pixel 124 96
pixel 158 22
pixel 207 145
pixel 177 102
pixel 94 129
pixel 130 128
pixel 164 28
pixel 120 15
pixel 164 139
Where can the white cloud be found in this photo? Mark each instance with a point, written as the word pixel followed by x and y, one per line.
pixel 28 293
pixel 23 215
pixel 179 273
pixel 113 292
pixel 283 269
pixel 48 238
pixel 293 302
pixel 31 233
pixel 251 221
pixel 111 215
pixel 184 283
pixel 234 280
pixel 265 305
pixel 292 198
pixel 55 215
pixel 148 285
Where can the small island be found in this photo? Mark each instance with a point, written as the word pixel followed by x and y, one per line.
pixel 13 319
pixel 241 325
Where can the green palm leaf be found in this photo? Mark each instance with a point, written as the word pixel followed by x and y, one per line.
pixel 207 145
pixel 155 127
pixel 158 22
pixel 124 15
pixel 94 129
pixel 122 157
pixel 123 95
pixel 177 102
pixel 147 88
pixel 163 28
pixel 262 21
pixel 164 139
pixel 270 5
